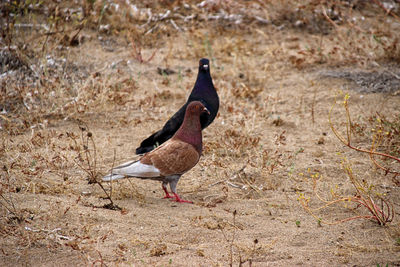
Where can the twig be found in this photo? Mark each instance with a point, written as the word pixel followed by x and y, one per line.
pixel 230 241
pixel 175 25
pixel 363 197
pixel 101 261
pixel 9 203
pixel 233 185
pixel 137 53
pixel 328 18
pixel 313 105
pixel 388 11
pixel 233 236
pixel 80 27
pixel 262 20
pixel 91 162
pixel 371 152
pixel 54 231
pixel 219 182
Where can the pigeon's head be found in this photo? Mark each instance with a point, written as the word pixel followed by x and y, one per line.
pixel 204 65
pixel 196 108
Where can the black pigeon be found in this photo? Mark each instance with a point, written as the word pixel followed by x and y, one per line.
pixel 204 92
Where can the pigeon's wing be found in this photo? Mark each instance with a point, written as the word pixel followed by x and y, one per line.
pixel 172 125
pixel 133 169
pixel 168 130
pixel 173 157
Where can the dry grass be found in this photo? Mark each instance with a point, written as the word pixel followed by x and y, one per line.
pixel 97 63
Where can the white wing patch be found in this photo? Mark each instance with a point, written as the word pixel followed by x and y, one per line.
pixel 112 177
pixel 132 169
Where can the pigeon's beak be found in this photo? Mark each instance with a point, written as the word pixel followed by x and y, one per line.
pixel 205 66
pixel 206 110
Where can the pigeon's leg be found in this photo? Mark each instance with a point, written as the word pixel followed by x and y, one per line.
pixel 164 187
pixel 173 184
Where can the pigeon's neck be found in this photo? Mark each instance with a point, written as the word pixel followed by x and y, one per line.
pixel 203 82
pixel 190 132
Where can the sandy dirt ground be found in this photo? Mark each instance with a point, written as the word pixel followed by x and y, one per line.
pixel 268 145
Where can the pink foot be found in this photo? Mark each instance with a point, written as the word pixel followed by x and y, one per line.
pixel 178 199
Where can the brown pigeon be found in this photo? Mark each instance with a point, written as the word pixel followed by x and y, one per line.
pixel 168 162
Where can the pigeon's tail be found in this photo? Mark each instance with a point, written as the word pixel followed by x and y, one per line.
pixel 154 140
pixel 119 172
pixel 147 145
pixel 111 177
pixel 132 169
pixel 142 150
